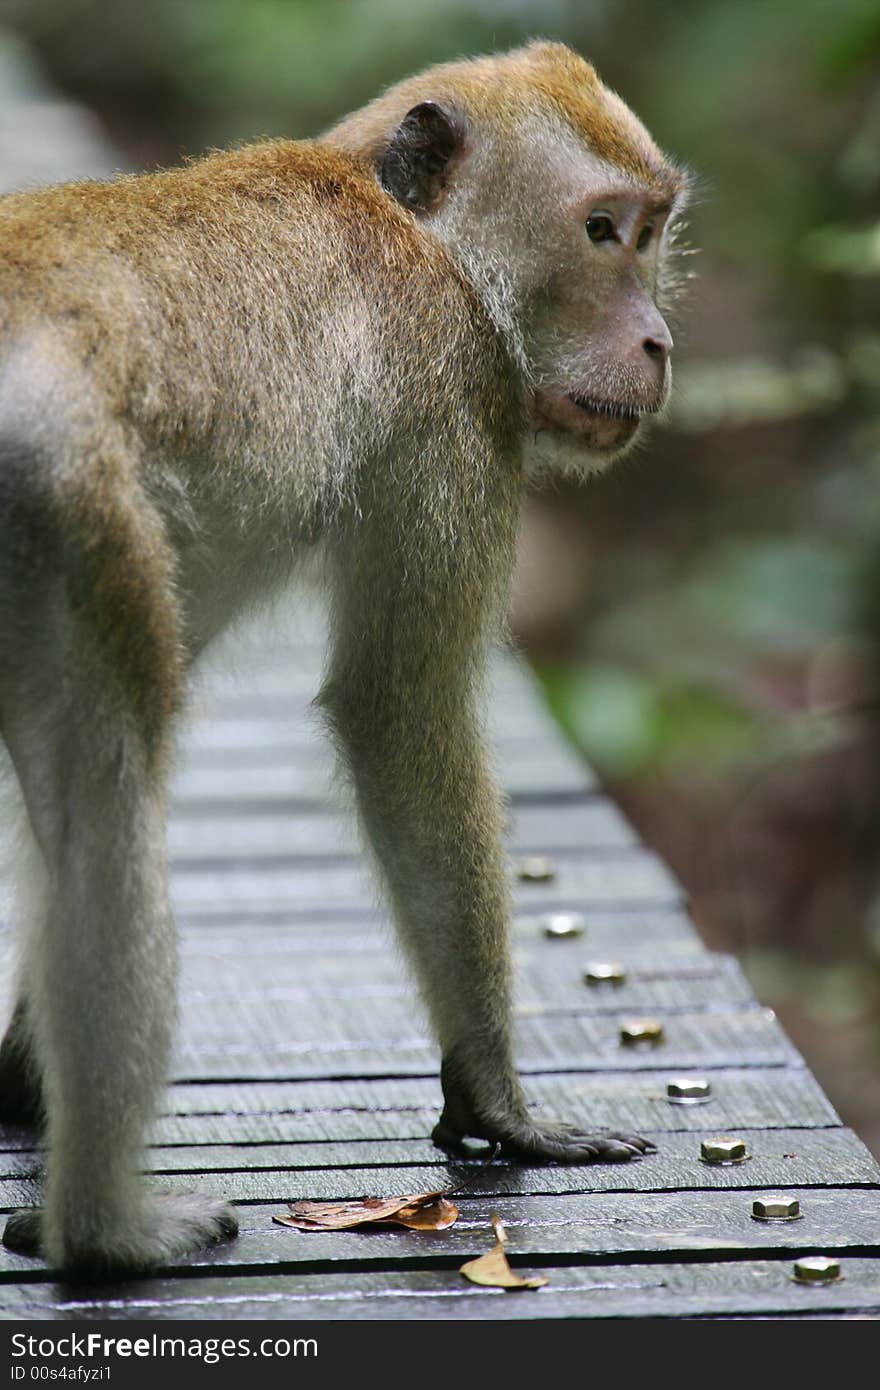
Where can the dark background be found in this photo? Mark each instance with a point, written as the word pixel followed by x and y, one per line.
pixel 706 619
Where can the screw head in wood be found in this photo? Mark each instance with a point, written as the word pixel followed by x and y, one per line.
pixel 776 1209
pixel 563 926
pixel 688 1090
pixel 723 1150
pixel 817 1269
pixel 536 868
pixel 641 1030
pixel 604 972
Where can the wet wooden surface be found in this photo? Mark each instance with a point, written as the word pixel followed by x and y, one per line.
pixel 304 1068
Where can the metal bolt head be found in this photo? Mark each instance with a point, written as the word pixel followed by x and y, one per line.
pixel 688 1090
pixel 776 1209
pixel 641 1030
pixel 535 868
pixel 723 1150
pixel 604 972
pixel 563 926
pixel 817 1269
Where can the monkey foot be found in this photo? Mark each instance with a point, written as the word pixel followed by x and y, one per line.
pixel 168 1226
pixel 548 1142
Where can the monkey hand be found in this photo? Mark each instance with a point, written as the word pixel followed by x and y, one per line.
pixel 544 1141
pixel 513 1132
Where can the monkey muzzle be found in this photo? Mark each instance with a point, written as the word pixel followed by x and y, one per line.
pixel 598 424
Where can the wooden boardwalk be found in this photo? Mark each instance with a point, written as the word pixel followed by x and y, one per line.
pixel 304 1069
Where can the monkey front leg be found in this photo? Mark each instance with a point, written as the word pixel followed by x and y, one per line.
pixel 481 1090
pixel 409 733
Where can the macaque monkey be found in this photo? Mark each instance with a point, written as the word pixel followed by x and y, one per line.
pixel 369 343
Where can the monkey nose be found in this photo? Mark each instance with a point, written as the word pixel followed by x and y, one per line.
pixel 658 348
pixel 657 342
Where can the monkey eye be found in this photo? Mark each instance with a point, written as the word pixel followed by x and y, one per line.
pixel 600 227
pixel 645 236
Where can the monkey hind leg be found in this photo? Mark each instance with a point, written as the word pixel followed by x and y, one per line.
pixel 87 701
pixel 21 1090
pixel 101 978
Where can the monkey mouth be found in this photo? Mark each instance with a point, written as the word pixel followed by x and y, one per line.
pixel 612 410
pixel 599 424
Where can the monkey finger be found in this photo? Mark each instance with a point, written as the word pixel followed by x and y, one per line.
pixel 555 1146
pixel 551 1151
pixel 619 1153
pixel 601 1148
pixel 566 1144
pixel 635 1141
pixel 570 1134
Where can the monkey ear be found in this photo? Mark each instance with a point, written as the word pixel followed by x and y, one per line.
pixel 415 164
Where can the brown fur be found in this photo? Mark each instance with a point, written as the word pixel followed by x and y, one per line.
pixel 503 89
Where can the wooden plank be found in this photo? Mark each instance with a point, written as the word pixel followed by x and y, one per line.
pixel 542 985
pixel 394 1155
pixel 520 720
pixel 407 1108
pixel 774 1096
pixel 264 1020
pixel 279 699
pixel 626 878
pixel 780 1158
pixel 590 824
pixel 547 984
pixel 635 935
pixel 291 701
pixel 273 1042
pixel 540 966
pixel 744 1288
pixel 771 1098
pixel 593 1228
pixel 278 676
pixel 277 946
pixel 277 668
pixel 209 742
pixel 303 778
pixel 266 709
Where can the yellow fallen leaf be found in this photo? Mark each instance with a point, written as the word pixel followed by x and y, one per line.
pixel 492 1269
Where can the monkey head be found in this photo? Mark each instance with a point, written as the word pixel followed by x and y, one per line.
pixel 560 210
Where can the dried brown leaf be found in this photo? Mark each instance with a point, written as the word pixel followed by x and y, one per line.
pixel 493 1271
pixel 497 1227
pixel 432 1216
pixel 417 1210
pixel 340 1216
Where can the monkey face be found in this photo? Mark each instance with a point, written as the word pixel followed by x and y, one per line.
pixel 598 345
pixel 558 206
